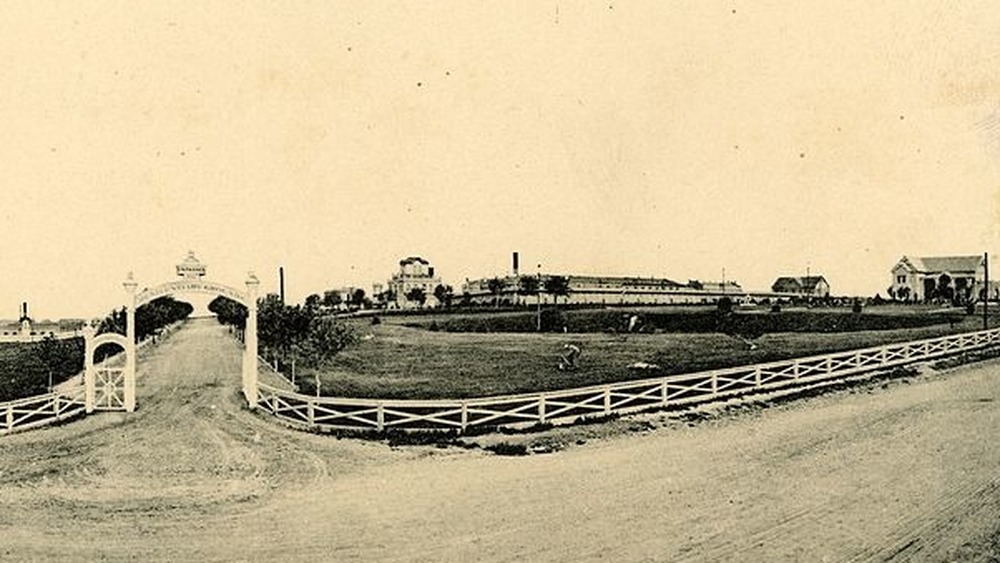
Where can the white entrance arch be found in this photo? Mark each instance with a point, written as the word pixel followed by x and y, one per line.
pixel 191 272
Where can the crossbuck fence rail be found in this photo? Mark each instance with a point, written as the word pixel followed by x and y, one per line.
pixel 617 398
pixel 40 410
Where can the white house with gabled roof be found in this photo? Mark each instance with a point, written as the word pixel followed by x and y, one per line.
pixel 919 278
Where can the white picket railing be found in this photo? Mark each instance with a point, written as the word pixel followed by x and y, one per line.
pixel 603 400
pixel 32 412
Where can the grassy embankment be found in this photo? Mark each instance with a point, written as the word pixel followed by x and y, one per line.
pixel 398 361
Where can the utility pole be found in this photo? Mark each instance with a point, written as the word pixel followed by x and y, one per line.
pixel 538 299
pixel 281 283
pixel 986 289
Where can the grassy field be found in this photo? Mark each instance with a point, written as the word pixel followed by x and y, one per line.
pixel 396 361
pixel 744 320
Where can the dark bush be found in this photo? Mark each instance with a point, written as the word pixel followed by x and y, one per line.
pixel 553 320
pixel 725 305
pixel 506 448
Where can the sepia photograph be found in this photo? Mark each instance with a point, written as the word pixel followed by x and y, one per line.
pixel 524 281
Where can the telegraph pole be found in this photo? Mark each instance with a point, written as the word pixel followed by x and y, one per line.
pixel 986 289
pixel 538 298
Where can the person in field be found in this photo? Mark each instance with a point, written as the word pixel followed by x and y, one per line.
pixel 568 359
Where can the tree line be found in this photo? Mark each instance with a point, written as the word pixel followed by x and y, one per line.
pixel 149 318
pixel 303 334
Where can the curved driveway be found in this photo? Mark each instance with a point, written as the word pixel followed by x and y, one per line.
pixel 907 473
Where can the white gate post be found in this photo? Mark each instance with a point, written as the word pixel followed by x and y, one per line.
pixel 250 343
pixel 88 368
pixel 130 286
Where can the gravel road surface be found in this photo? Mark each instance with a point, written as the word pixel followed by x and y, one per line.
pixel 907 473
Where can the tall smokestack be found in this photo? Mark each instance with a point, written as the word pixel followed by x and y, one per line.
pixel 515 264
pixel 281 283
pixel 24 310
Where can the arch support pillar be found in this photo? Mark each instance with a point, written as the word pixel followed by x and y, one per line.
pixel 130 286
pixel 250 344
pixel 89 383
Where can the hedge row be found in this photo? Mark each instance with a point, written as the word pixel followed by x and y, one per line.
pixel 748 323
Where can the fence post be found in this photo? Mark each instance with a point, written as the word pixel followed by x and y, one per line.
pixel 756 376
pixel 10 417
pixel 715 383
pixel 663 392
pixel 541 408
pixel 379 417
pixel 607 399
pixel 465 415
pixel 311 412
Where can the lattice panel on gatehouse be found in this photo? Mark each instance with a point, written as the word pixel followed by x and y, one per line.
pixel 109 389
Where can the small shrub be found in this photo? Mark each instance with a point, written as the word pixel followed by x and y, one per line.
pixel 506 448
pixel 776 308
pixel 553 320
pixel 725 305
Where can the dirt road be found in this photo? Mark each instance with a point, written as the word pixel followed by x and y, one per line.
pixel 908 473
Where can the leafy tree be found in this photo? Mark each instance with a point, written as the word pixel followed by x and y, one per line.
pixel 115 322
pixel 281 328
pixel 496 286
pixel 386 297
pixel 357 298
pixel 332 298
pixel 326 337
pixel 557 286
pixel 61 358
pixel 229 312
pixel 527 285
pixel 963 291
pixel 417 294
pixel 444 294
pixel 313 302
pixel 944 288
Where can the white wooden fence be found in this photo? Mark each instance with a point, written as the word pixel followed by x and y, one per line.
pixel 603 400
pixel 32 412
pixel 68 399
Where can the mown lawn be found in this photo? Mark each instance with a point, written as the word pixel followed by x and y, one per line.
pixel 395 361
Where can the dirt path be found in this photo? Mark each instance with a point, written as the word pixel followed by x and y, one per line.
pixel 910 473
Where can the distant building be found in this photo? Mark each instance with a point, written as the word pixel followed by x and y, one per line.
pixel 414 273
pixel 601 290
pixel 804 286
pixel 922 278
pixel 26 329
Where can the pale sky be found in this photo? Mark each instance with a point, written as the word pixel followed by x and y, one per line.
pixel 630 138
